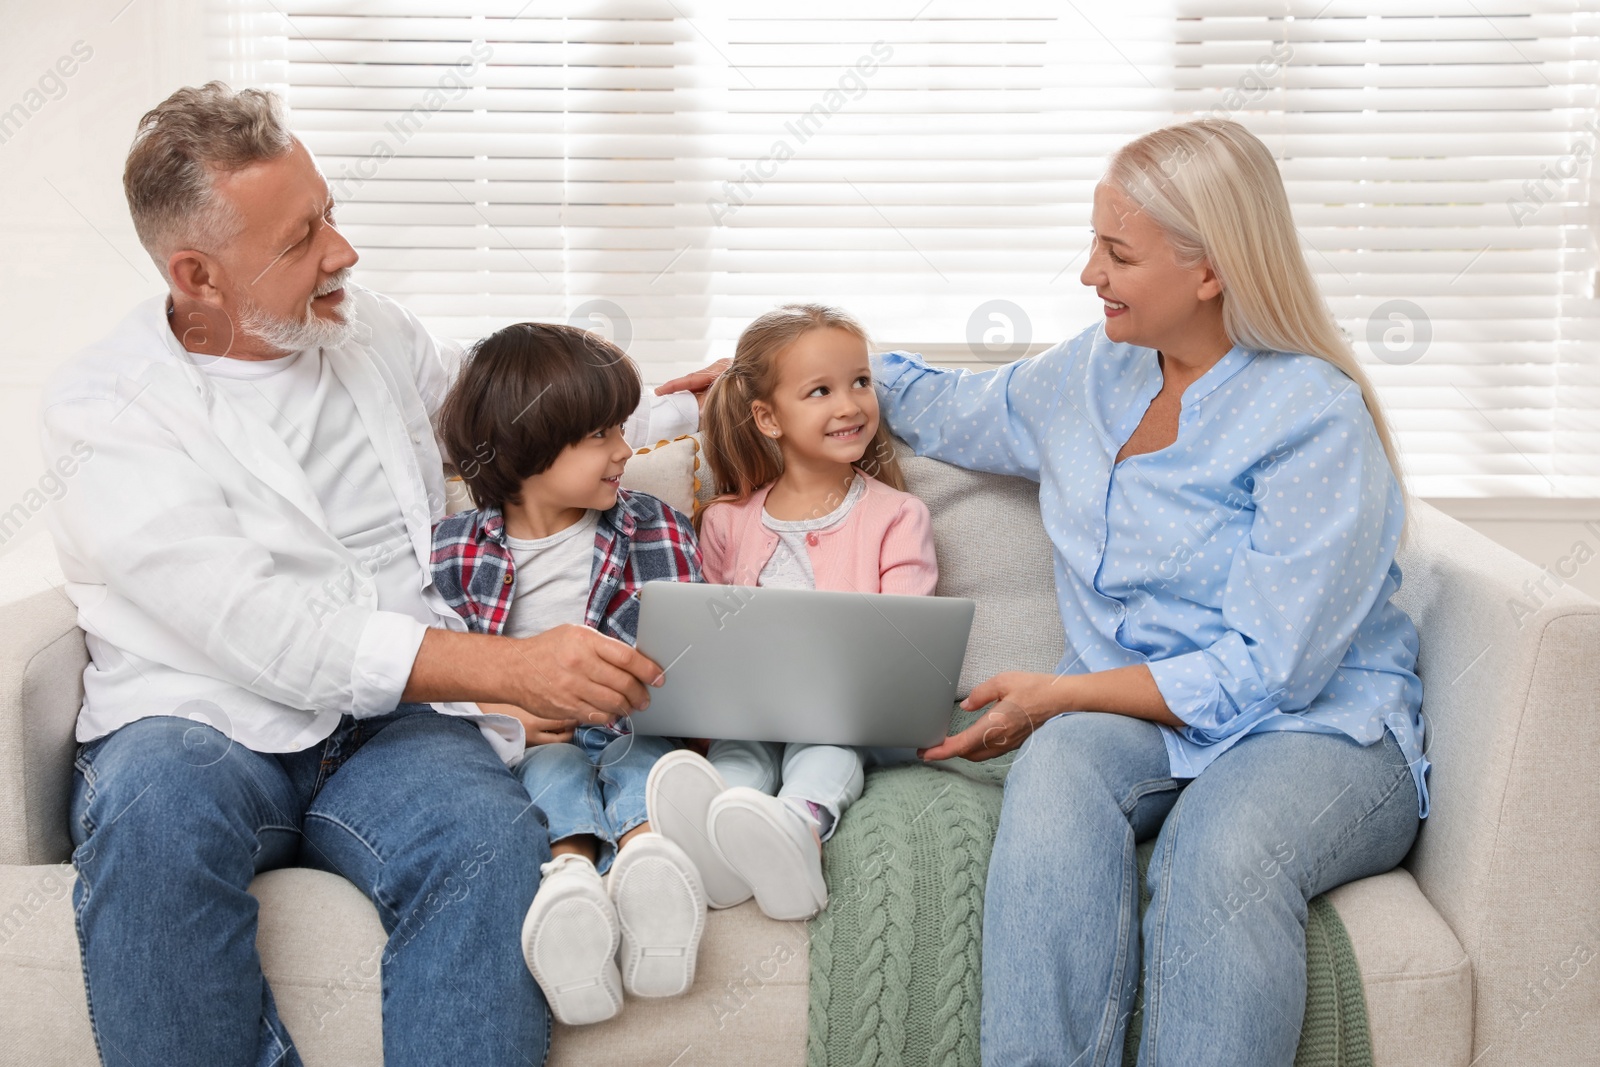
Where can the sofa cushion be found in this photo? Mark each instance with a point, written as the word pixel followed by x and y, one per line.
pixel 1416 975
pixel 321 943
pixel 992 547
pixel 669 471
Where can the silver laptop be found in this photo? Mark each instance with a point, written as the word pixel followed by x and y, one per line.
pixel 744 663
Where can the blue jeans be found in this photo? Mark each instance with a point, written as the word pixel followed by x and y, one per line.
pixel 171 822
pixel 1276 820
pixel 593 784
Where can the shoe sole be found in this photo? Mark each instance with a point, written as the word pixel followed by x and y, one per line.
pixel 764 854
pixel 662 912
pixel 570 946
pixel 678 813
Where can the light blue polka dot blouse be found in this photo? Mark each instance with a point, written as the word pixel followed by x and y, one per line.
pixel 1250 563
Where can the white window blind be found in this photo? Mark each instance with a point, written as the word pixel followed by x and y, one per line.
pixel 665 171
pixel 1440 168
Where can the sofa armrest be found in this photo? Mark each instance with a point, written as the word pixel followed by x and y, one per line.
pixel 1510 855
pixel 42 658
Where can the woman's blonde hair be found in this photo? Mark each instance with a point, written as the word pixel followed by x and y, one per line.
pixel 1215 190
pixel 741 457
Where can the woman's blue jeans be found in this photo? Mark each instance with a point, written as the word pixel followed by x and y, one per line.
pixel 1274 821
pixel 171 822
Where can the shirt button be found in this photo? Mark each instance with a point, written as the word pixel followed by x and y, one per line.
pixel 507 581
pixel 811 538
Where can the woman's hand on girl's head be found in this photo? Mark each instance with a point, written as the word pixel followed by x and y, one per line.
pixel 1022 701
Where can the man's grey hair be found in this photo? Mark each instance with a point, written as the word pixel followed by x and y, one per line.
pixel 183 144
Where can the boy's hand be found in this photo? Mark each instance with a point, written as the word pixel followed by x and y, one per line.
pixel 697 382
pixel 581 674
pixel 539 730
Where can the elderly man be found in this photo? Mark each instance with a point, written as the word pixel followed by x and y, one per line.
pixel 247 547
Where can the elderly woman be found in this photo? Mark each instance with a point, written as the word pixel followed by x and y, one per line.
pixel 1220 487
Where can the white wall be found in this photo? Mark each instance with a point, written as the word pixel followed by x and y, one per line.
pixel 71 265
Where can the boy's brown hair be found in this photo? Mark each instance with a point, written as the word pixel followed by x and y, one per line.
pixel 525 393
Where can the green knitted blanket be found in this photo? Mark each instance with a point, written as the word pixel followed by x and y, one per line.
pixel 895 958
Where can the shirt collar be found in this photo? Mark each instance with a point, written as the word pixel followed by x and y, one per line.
pixel 1233 361
pixel 491 525
pixel 620 516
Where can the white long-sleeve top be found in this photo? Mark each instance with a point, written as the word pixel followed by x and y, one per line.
pixel 209 578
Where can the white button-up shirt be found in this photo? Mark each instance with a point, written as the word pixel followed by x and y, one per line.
pixel 208 581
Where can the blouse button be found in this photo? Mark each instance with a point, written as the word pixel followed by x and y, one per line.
pixel 811 538
pixel 507 581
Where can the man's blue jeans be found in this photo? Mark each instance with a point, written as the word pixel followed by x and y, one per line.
pixel 172 821
pixel 1274 821
pixel 593 784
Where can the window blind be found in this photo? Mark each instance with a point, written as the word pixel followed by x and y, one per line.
pixel 1439 160
pixel 665 170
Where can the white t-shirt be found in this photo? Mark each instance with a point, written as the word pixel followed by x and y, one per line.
pixel 790 565
pixel 306 404
pixel 552 584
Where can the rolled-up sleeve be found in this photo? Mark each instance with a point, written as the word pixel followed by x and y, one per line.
pixel 661 418
pixel 1327 516
pixel 385 654
pixel 987 421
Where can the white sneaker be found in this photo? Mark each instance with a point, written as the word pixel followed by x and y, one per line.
pixel 678 798
pixel 661 907
pixel 773 849
pixel 569 941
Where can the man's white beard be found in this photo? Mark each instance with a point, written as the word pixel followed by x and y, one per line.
pixel 313 331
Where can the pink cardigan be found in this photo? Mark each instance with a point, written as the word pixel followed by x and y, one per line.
pixel 885 544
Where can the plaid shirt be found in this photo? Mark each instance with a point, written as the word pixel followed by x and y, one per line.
pixel 639 539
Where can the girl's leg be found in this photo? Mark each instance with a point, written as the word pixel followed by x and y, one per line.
pixel 1060 927
pixel 829 776
pixel 751 764
pixel 678 794
pixel 1276 820
pixel 772 845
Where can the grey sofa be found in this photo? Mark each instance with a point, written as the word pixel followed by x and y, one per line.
pixel 1480 950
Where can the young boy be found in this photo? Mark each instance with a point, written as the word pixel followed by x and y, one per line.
pixel 534 423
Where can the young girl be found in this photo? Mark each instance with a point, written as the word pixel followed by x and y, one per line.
pixel 811 498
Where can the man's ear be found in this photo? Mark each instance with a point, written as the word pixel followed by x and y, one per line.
pixel 764 418
pixel 1210 284
pixel 194 274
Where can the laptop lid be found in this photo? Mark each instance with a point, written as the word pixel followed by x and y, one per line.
pixel 747 663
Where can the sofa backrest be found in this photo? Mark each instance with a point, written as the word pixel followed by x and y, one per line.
pixel 993 548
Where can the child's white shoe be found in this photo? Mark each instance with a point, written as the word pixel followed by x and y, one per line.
pixel 569 941
pixel 661 907
pixel 773 848
pixel 678 798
